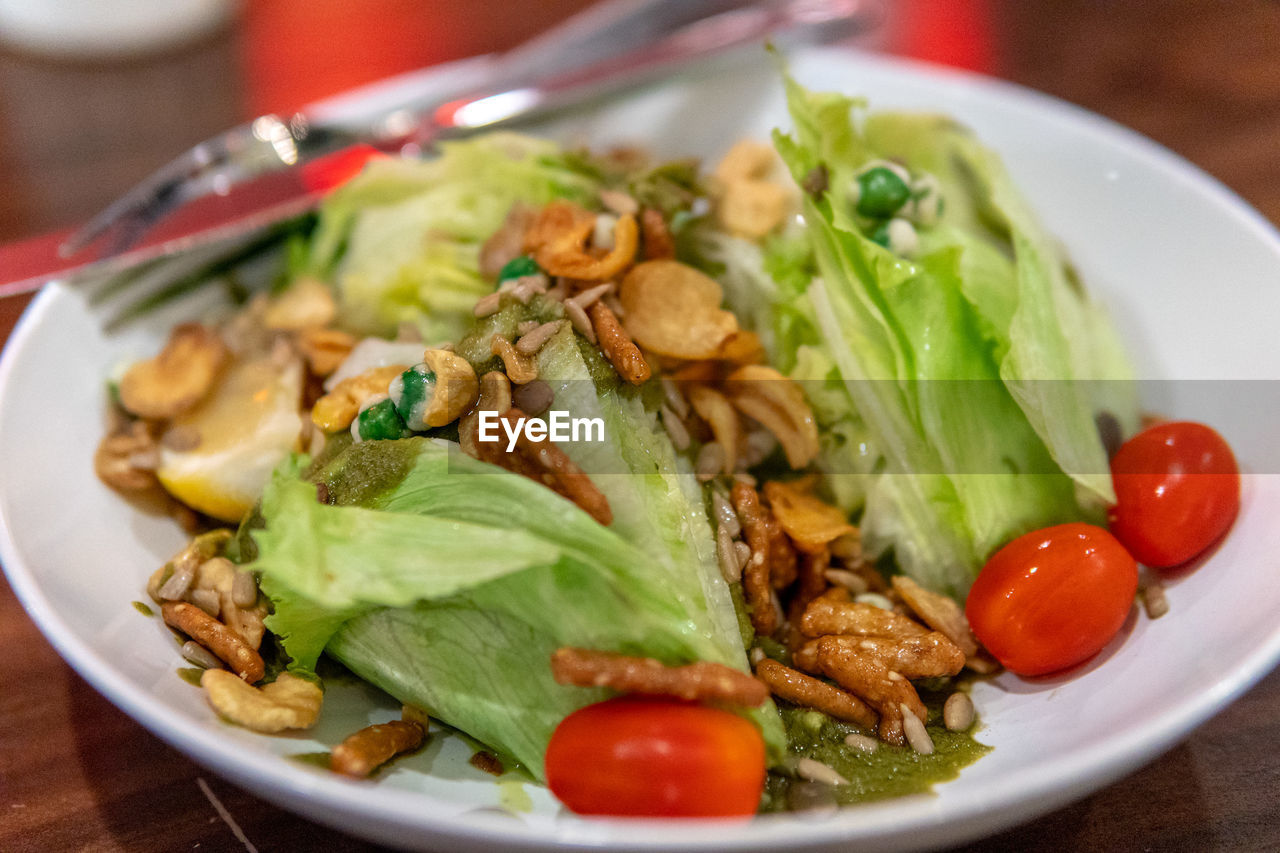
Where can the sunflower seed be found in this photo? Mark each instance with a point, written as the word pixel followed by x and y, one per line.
pixel 856 584
pixel 675 429
pixel 915 731
pixel 533 340
pixel 197 654
pixel 862 742
pixel 727 557
pixel 816 771
pixel 488 305
pixel 580 320
pixel 244 590
pixel 957 712
pixel 724 514
pixel 710 461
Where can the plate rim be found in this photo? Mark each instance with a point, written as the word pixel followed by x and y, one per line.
pixel 1080 773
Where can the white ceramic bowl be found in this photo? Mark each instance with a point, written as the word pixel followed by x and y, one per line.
pixel 1152 236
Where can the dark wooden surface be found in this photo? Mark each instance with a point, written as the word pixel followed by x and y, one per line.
pixel 1200 77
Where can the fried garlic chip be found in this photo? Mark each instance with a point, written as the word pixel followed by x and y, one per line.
pixel 779 405
pixel 557 239
pixel 714 408
pixel 812 523
pixel 742 347
pixel 672 309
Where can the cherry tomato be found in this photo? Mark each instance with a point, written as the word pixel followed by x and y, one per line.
pixel 633 756
pixel 1052 598
pixel 1177 492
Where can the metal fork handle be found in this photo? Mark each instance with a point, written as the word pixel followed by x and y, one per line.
pixel 586 38
pixel 736 26
pixel 552 72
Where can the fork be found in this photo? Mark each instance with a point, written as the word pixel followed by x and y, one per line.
pixel 592 54
pixel 610 47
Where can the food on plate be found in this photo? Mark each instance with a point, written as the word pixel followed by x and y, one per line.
pixel 646 757
pixel 363 752
pixel 1052 598
pixel 598 460
pixel 1177 492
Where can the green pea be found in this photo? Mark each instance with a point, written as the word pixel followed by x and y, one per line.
pixel 381 421
pixel 880 234
pixel 881 192
pixel 417 385
pixel 518 268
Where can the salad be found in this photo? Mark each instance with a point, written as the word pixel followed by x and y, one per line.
pixel 688 493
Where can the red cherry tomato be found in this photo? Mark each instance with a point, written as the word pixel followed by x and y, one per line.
pixel 1177 492
pixel 1052 598
pixel 636 757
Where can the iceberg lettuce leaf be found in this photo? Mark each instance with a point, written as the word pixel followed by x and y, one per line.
pixel 462 580
pixel 402 239
pixel 951 436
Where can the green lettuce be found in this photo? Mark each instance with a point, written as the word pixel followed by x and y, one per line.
pixel 1057 351
pixel 401 241
pixel 448 582
pixel 954 389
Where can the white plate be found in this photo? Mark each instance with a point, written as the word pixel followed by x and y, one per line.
pixel 1151 234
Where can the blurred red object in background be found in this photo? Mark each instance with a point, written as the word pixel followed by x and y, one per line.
pixel 959 33
pixel 298 51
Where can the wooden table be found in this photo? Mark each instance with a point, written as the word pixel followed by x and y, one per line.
pixel 1201 78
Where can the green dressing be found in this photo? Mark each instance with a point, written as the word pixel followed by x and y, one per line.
pixel 890 771
pixel 513 797
pixel 190 674
pixel 367 471
pixel 312 759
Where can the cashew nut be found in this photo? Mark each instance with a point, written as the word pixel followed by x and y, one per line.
pixel 456 387
pixel 779 405
pixel 176 379
pixel 289 702
pixel 336 410
pixel 747 202
pixel 521 369
pixel 752 209
pixel 746 160
pixel 495 392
